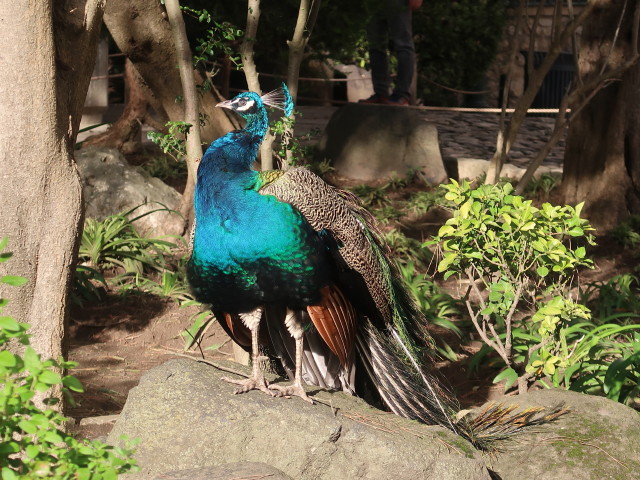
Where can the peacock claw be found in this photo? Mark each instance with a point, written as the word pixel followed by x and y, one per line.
pixel 290 390
pixel 249 384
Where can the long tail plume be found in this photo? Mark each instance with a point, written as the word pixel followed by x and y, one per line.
pixel 410 391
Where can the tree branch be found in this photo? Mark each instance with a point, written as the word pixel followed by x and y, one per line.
pixel 191 103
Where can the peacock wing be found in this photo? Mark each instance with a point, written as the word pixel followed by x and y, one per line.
pixel 338 214
pixel 336 321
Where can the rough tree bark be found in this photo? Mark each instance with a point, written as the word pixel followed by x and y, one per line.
pixel 602 155
pixel 43 84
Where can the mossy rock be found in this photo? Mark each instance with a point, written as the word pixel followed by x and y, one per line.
pixel 598 439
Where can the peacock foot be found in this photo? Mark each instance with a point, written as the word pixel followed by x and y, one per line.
pixel 290 390
pixel 251 383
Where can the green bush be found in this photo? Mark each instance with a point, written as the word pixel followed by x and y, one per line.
pixel 519 262
pixel 33 441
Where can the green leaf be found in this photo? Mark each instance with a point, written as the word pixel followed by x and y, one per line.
pixel 32 451
pixel 72 383
pixel 8 474
pixel 28 426
pixel 7 359
pixel 50 377
pixel 32 360
pixel 508 374
pixel 616 376
pixel 542 271
pixel 13 280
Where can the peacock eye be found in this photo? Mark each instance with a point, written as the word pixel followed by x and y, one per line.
pixel 242 102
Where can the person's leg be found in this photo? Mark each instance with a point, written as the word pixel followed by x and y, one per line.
pixel 378 38
pixel 401 35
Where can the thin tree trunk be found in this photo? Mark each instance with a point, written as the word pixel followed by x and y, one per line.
pixel 561 37
pixel 307 15
pixel 251 74
pixel 191 106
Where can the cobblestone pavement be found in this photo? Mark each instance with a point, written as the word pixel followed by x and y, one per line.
pixel 462 134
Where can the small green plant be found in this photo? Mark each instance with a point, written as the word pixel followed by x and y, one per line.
pixel 438 307
pixel 321 168
pixel 387 213
pixel 516 258
pixel 421 202
pixel 88 286
pixel 541 186
pixel 619 294
pixel 171 285
pixel 406 249
pixel 114 242
pixel 172 143
pixel 371 197
pixel 33 442
pixel 628 232
pixel 217 41
pixel 165 168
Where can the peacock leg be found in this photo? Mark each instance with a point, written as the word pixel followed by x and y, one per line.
pixel 296 387
pixel 256 381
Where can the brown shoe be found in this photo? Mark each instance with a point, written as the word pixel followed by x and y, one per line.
pixel 376 98
pixel 398 100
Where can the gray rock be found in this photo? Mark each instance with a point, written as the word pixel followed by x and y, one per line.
pixel 113 186
pixel 240 470
pixel 373 142
pixel 186 417
pixel 599 439
pixel 472 168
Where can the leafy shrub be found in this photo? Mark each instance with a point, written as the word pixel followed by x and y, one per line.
pixel 33 441
pixel 437 306
pixel 512 255
pixel 519 258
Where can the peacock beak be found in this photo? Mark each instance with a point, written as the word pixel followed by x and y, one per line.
pixel 226 104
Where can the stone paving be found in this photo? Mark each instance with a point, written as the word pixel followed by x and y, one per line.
pixel 463 134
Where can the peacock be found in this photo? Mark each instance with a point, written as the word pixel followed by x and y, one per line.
pixel 297 268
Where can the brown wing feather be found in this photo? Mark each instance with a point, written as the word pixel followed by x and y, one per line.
pixel 237 330
pixel 335 319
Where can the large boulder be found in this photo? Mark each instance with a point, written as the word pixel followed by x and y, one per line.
pixel 187 418
pixel 373 142
pixel 111 185
pixel 598 439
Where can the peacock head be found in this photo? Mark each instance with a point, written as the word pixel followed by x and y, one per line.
pixel 251 106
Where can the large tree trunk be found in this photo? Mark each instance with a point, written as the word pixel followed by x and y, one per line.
pixel 141 30
pixel 602 156
pixel 43 84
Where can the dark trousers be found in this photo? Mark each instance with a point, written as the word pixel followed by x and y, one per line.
pixel 392 27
